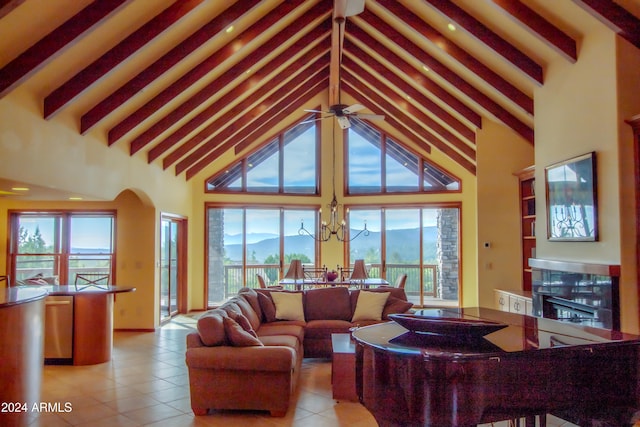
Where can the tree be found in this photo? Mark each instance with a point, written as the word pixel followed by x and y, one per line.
pixel 34 244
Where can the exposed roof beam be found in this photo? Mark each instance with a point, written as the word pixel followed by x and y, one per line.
pixel 222 84
pixel 437 67
pixel 266 122
pixel 364 91
pixel 262 90
pixel 102 66
pixel 56 42
pixel 201 70
pixel 496 43
pixel 409 90
pixel 614 16
pixel 6 6
pixel 485 73
pixel 423 121
pixel 417 76
pixel 549 33
pixel 420 139
pixel 241 115
pixel 163 64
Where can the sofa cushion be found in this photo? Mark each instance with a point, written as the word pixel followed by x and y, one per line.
pixel 248 312
pixel 284 340
pixel 369 305
pixel 242 321
pixel 252 298
pixel 327 303
pixel 267 307
pixel 288 305
pixel 237 336
pixel 395 305
pixel 285 327
pixel 211 327
pixel 322 329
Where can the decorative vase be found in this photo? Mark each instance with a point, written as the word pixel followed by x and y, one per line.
pixel 332 275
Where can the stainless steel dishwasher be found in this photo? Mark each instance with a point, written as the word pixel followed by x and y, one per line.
pixel 58 329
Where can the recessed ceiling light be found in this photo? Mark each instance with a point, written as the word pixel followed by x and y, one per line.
pixel 20 188
pixel 229 29
pixel 75 198
pixel 451 27
pixel 425 68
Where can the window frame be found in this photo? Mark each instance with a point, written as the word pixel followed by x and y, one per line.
pixel 422 162
pixel 64 256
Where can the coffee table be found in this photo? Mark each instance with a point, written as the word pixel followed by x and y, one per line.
pixel 343 367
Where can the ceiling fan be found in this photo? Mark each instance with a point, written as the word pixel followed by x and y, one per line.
pixel 341 10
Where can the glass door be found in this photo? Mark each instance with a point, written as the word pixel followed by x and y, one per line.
pixel 170 266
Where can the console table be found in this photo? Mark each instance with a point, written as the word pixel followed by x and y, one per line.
pixel 532 367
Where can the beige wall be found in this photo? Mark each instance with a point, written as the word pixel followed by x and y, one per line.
pixel 499 265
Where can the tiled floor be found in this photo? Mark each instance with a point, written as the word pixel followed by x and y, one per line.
pixel 146 383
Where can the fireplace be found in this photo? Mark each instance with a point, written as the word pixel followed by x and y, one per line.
pixel 587 294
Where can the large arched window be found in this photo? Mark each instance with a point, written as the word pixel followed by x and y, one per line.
pixel 288 164
pixel 378 164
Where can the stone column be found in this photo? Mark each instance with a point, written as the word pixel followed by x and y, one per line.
pixel 216 279
pixel 447 254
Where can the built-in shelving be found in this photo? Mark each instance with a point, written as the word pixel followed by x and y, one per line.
pixel 527 222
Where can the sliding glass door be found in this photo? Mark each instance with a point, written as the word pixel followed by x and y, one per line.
pixel 172 245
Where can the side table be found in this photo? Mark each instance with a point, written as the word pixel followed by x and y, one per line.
pixel 343 367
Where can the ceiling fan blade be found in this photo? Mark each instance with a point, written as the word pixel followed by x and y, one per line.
pixel 314 120
pixel 353 108
pixel 370 116
pixel 343 122
pixel 314 111
pixel 344 8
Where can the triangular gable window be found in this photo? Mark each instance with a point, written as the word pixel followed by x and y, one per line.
pixel 378 164
pixel 286 164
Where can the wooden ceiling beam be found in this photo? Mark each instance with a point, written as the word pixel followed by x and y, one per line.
pixel 363 91
pixel 398 127
pixel 6 6
pixel 546 31
pixel 98 69
pixel 422 120
pixel 227 118
pixel 163 64
pixel 614 16
pixel 418 77
pixel 518 97
pixel 242 114
pixel 437 67
pixel 268 121
pixel 490 39
pixel 222 84
pixel 56 42
pixel 393 78
pixel 201 70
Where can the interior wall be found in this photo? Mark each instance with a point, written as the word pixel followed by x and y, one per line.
pixel 499 265
pixel 581 108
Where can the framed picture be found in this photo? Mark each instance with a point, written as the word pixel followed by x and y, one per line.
pixel 572 202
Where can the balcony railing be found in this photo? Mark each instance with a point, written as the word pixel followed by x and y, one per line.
pixel 419 284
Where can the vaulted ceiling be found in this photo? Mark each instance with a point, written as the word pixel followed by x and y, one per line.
pixel 183 81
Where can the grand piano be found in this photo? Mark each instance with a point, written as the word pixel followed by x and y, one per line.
pixel 527 368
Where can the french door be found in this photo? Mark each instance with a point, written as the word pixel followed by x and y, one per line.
pixel 172 267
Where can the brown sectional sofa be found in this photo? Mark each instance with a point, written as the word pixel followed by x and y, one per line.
pixel 244 357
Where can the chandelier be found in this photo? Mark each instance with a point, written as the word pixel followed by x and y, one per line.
pixel 334 227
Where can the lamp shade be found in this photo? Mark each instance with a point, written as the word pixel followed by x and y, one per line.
pixel 359 270
pixel 295 270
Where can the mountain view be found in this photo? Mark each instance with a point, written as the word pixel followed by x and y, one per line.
pixel 402 245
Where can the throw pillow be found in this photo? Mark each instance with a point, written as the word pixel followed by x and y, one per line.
pixel 242 321
pixel 237 336
pixel 288 305
pixel 395 305
pixel 267 307
pixel 370 305
pixel 211 327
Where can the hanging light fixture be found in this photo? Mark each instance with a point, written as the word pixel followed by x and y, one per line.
pixel 334 227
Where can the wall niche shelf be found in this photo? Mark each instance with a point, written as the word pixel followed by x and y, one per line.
pixel 527 185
